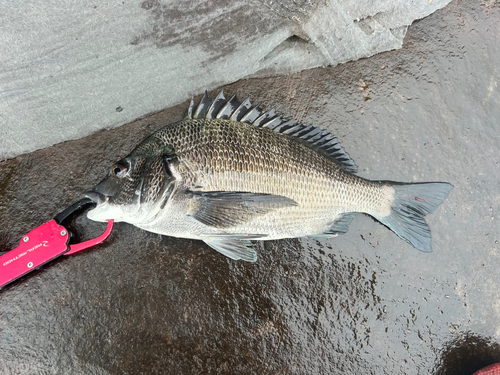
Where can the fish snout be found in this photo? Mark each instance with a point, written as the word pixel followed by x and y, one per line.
pixel 107 188
pixel 97 197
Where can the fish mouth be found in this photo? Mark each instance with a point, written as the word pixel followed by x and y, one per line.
pixel 97 197
pixel 101 212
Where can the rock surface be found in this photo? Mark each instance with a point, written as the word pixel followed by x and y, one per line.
pixel 67 71
pixel 363 303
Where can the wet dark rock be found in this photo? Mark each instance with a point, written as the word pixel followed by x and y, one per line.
pixel 363 303
pixel 467 354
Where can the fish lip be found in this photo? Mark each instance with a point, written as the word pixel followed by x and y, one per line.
pixel 97 197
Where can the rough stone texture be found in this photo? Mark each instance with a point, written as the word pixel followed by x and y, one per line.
pixel 363 303
pixel 68 70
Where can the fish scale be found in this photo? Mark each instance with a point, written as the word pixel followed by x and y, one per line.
pixel 231 172
pixel 278 166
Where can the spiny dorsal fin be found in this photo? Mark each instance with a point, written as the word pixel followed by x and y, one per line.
pixel 216 105
pixel 203 105
pixel 234 110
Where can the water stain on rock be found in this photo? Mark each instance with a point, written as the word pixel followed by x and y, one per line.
pixel 205 26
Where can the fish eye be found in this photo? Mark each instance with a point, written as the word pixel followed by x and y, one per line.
pixel 119 170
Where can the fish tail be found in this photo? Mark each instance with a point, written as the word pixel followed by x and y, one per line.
pixel 411 203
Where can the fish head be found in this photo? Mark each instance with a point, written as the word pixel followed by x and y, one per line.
pixel 137 186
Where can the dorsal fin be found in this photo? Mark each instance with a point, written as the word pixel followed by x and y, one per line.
pixel 203 105
pixel 216 105
pixel 234 110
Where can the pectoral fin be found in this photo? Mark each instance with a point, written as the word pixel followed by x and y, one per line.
pixel 226 209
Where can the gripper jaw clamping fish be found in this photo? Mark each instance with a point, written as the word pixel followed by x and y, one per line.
pixel 46 243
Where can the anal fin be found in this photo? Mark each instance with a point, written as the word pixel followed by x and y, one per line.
pixel 341 225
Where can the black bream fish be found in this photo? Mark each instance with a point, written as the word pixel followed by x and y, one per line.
pixel 231 172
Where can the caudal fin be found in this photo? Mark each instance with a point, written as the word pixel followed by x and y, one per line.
pixel 411 203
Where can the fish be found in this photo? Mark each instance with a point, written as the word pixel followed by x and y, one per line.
pixel 232 173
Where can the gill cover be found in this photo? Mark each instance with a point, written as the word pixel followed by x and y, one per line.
pixel 141 178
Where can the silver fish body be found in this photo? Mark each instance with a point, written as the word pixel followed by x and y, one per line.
pixel 231 173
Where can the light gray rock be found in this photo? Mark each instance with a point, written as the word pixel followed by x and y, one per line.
pixel 70 69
